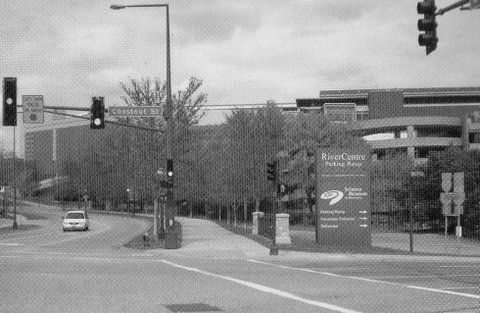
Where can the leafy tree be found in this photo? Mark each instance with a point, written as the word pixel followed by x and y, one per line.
pixel 452 160
pixel 305 134
pixel 254 138
pixel 390 187
pixel 187 104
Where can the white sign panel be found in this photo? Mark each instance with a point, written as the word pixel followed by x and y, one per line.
pixel 32 109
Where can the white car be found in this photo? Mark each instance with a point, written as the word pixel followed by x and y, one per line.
pixel 75 220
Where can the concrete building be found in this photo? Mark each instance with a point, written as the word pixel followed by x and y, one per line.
pixel 413 120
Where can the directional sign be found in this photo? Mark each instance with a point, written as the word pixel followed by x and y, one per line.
pixel 343 197
pixel 32 109
pixel 140 111
pixel 458 182
pixel 457 198
pixel 446 182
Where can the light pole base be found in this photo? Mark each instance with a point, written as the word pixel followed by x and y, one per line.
pixel 273 250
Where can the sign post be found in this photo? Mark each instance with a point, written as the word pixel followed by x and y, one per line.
pixel 416 174
pixel 457 197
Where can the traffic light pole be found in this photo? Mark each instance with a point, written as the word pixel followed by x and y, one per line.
pixel 452 6
pixel 274 247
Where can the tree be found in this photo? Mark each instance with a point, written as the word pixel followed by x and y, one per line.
pixel 305 134
pixel 152 92
pixel 390 188
pixel 254 138
pixel 452 160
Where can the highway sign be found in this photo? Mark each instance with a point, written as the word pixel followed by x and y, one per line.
pixel 32 109
pixel 458 182
pixel 131 111
pixel 446 182
pixel 457 198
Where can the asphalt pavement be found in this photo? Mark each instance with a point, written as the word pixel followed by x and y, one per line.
pixel 205 238
pixel 217 267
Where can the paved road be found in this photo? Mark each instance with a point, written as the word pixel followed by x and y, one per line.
pixel 45 270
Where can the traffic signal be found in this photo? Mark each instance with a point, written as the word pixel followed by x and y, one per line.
pixel 97 117
pixel 427 24
pixel 9 101
pixel 272 171
pixel 170 172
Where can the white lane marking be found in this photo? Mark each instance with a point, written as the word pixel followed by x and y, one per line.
pixel 456 288
pixel 266 289
pixel 9 244
pixel 467 295
pixel 461 266
pixel 421 277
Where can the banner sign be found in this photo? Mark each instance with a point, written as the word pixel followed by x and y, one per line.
pixel 343 197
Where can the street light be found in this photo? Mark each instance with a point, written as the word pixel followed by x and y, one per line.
pixel 167 115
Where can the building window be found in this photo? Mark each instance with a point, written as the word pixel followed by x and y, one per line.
pixel 361 112
pixel 340 112
pixel 345 112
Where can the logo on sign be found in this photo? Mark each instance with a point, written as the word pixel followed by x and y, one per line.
pixel 333 195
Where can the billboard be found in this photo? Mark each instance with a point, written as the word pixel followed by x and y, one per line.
pixel 343 197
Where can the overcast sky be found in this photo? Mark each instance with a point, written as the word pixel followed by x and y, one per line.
pixel 245 51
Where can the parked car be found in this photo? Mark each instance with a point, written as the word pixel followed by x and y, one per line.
pixel 75 220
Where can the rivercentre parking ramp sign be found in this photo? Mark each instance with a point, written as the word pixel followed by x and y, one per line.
pixel 343 197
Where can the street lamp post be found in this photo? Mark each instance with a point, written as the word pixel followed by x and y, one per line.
pixel 170 213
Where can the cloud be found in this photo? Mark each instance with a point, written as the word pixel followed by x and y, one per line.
pixel 244 51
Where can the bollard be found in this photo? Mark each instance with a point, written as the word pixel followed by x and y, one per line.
pixel 146 240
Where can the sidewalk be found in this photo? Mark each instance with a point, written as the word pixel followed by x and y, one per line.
pixel 6 222
pixel 204 238
pixel 208 239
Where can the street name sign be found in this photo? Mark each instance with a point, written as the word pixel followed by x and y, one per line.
pixel 138 111
pixel 32 109
pixel 343 197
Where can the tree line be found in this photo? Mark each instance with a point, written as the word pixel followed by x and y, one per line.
pixel 220 170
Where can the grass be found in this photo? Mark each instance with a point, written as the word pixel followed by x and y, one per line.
pixel 20 228
pixel 304 244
